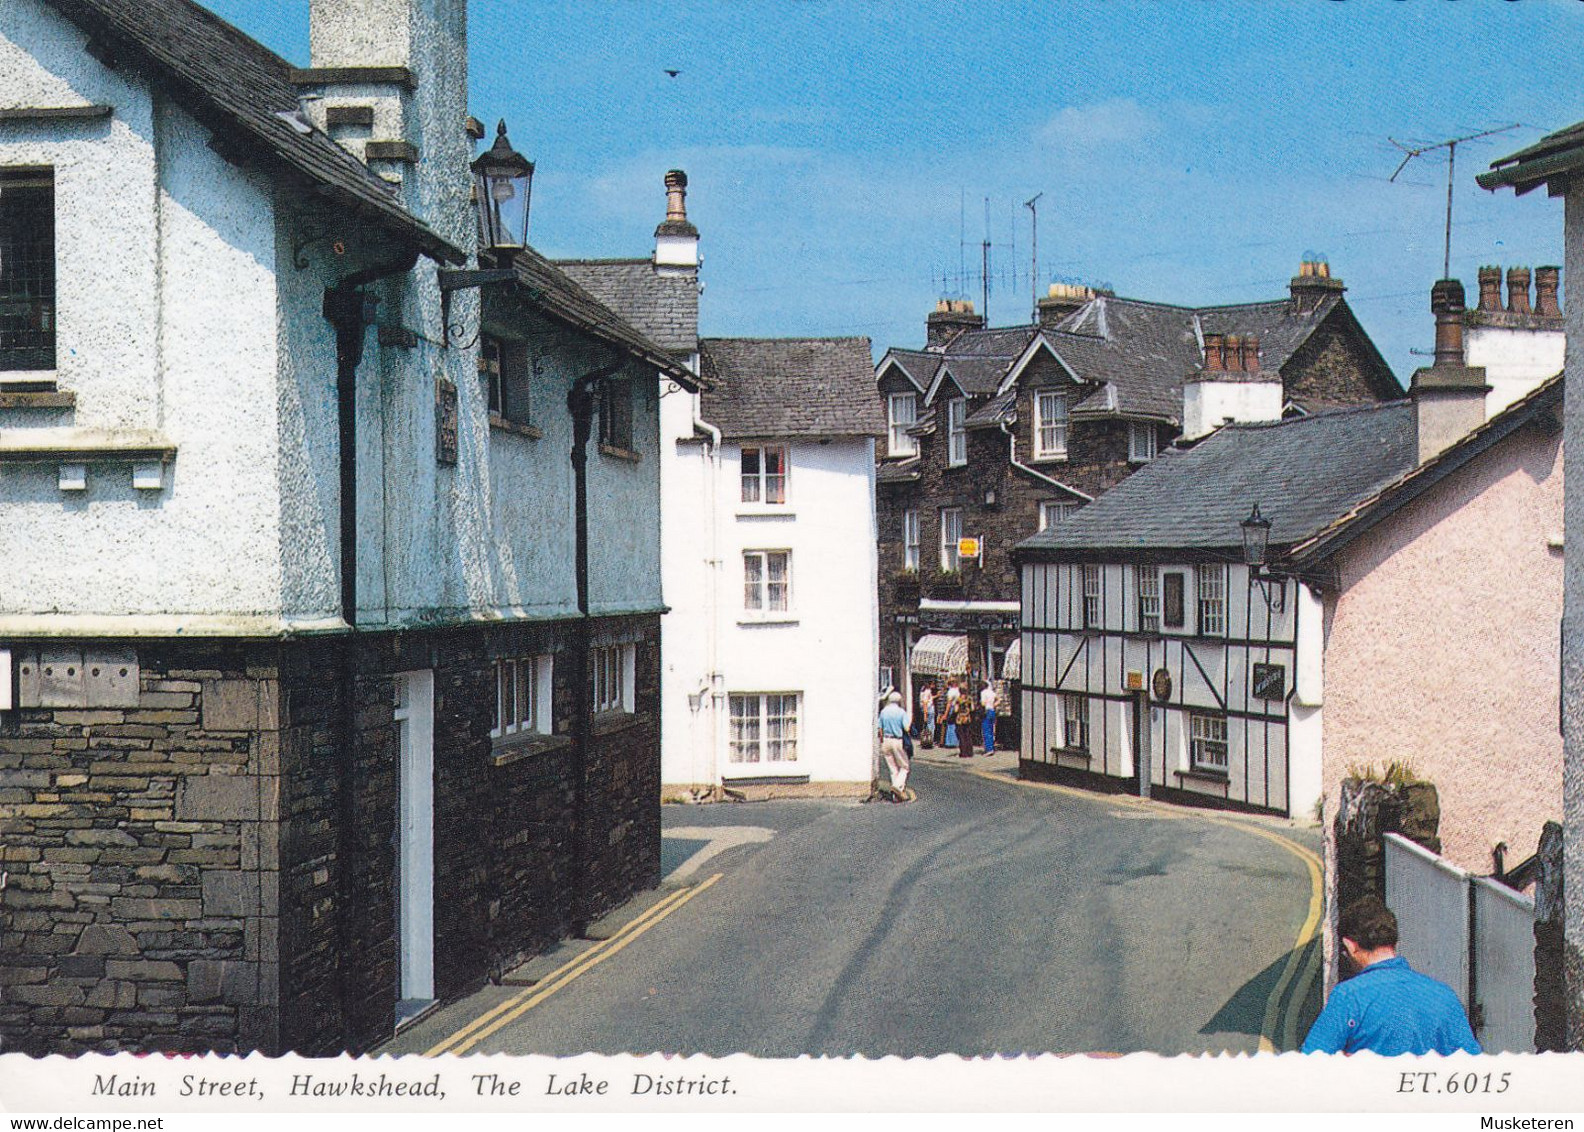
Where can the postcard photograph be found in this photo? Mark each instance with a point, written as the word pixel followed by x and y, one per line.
pixel 659 540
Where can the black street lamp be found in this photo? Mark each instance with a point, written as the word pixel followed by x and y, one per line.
pixel 1256 550
pixel 503 184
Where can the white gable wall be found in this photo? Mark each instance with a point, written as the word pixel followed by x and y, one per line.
pixel 165 294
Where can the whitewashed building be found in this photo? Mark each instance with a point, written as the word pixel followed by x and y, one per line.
pixel 295 737
pixel 768 509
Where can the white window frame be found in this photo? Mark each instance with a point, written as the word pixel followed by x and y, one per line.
pixel 1050 424
pixel 957 432
pixel 759 594
pixel 901 415
pixel 1207 743
pixel 887 679
pixel 1054 511
pixel 762 487
pixel 744 708
pixel 611 675
pixel 522 696
pixel 1210 597
pixel 1075 721
pixel 1147 581
pixel 910 539
pixel 1143 442
pixel 1093 597
pixel 950 553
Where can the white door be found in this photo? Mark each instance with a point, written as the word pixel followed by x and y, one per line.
pixel 415 841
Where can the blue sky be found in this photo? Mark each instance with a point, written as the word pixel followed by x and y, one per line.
pixel 1187 152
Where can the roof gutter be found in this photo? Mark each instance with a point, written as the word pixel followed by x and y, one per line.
pixel 1026 470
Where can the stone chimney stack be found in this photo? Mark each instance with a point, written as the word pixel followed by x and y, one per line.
pixel 1313 283
pixel 1548 282
pixel 1230 387
pixel 950 318
pixel 1063 300
pixel 676 239
pixel 388 81
pixel 1518 290
pixel 1448 397
pixel 1490 288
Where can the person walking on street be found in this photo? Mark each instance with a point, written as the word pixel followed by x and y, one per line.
pixel 963 719
pixel 987 703
pixel 1388 1007
pixel 949 717
pixel 893 726
pixel 927 706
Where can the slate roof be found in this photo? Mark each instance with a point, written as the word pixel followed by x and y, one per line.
pixel 898 471
pixel 239 89
pixel 1544 399
pixel 790 387
pixel 920 365
pixel 564 298
pixel 1304 473
pixel 663 307
pixel 1553 155
pixel 1136 352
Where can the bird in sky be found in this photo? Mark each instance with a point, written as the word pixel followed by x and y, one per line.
pixel 672 73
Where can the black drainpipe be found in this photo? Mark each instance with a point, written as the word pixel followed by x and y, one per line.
pixel 580 402
pixel 347 308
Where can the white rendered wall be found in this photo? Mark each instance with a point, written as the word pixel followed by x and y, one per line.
pixel 1207 405
pixel 692 730
pixel 824 648
pixel 165 261
pixel 1515 361
pixel 827 648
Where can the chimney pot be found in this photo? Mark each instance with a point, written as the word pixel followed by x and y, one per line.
pixel 1233 347
pixel 1251 354
pixel 1547 283
pixel 676 195
pixel 1446 302
pixel 1214 352
pixel 1490 298
pixel 951 318
pixel 1518 290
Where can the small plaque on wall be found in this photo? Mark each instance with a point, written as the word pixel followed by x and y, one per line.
pixel 1270 681
pixel 445 421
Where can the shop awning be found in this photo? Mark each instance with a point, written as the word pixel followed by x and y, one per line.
pixel 940 654
pixel 1012 666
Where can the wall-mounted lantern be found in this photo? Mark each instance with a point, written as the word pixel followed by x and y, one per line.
pixel 1256 550
pixel 502 186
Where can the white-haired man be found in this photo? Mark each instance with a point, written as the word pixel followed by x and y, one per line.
pixel 893 726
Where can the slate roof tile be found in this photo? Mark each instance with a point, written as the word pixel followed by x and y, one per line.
pixel 1304 473
pixel 663 307
pixel 790 387
pixel 240 89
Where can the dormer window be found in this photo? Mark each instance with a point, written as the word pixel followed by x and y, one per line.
pixel 901 415
pixel 1141 442
pixel 1050 425
pixel 27 269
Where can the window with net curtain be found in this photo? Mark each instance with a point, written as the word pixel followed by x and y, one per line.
pixel 764 475
pixel 764 727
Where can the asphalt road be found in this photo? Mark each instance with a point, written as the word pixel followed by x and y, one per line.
pixel 987 917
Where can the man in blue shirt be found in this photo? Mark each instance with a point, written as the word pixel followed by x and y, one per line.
pixel 1388 1007
pixel 894 725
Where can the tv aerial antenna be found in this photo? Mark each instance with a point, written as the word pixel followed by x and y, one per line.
pixel 1450 145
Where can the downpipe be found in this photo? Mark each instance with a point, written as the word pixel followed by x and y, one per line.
pixel 580 403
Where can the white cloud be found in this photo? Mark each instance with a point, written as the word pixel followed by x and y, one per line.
pixel 1100 123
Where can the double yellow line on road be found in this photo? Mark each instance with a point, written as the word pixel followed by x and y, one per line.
pixel 519 1004
pixel 1303 968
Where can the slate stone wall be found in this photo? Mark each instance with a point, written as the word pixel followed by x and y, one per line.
pixel 210 871
pixel 139 903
